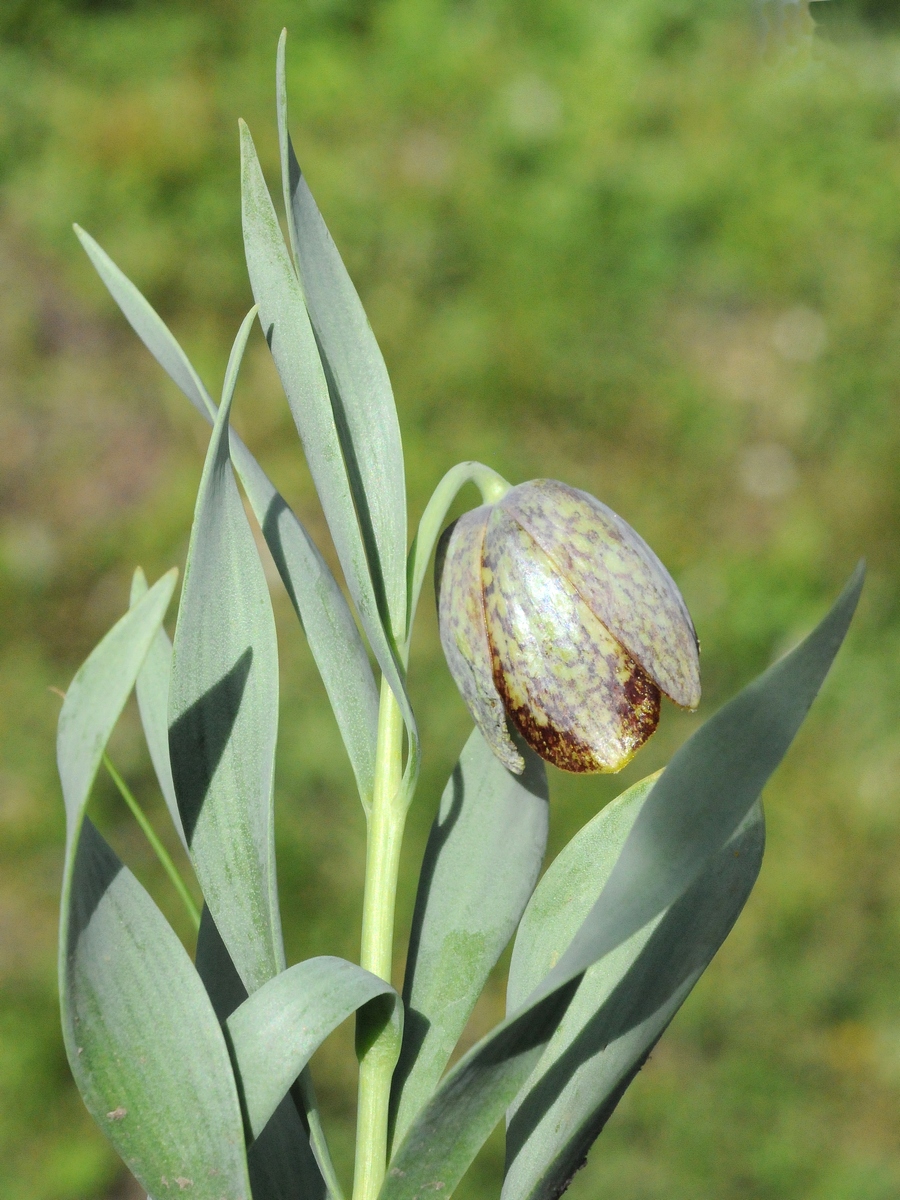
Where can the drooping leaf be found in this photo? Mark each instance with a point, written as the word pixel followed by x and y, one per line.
pixel 623 1003
pixel 276 1031
pixel 333 637
pixel 286 324
pixel 361 395
pixel 481 863
pixel 692 812
pixel 223 713
pixel 143 1042
pixel 281 1161
pixel 153 703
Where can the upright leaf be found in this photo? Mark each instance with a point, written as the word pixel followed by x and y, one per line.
pixel 481 863
pixel 319 602
pixel 701 798
pixel 142 1040
pixel 153 703
pixel 223 711
pixel 286 324
pixel 361 395
pixel 623 1003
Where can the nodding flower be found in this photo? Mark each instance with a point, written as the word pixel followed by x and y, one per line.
pixel 556 616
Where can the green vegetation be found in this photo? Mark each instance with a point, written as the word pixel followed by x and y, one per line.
pixel 601 242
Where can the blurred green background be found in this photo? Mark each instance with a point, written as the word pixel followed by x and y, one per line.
pixel 608 241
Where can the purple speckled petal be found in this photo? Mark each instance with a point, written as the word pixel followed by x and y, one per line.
pixel 464 634
pixel 576 696
pixel 618 576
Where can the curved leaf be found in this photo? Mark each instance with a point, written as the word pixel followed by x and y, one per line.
pixel 223 711
pixel 481 863
pixel 286 324
pixel 142 1040
pixel 318 600
pixel 701 799
pixel 623 1003
pixel 361 396
pixel 277 1030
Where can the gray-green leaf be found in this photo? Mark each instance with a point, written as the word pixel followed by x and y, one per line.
pixel 286 325
pixel 153 704
pixel 692 812
pixel 624 1002
pixel 223 713
pixel 319 602
pixel 361 395
pixel 481 863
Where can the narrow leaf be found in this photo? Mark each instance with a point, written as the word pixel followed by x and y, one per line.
pixel 624 1002
pixel 223 710
pixel 277 1030
pixel 153 704
pixel 481 863
pixel 149 326
pixel 319 602
pixel 286 324
pixel 361 395
pixel 707 791
pixel 333 637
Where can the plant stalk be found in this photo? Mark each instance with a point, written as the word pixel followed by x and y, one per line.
pixel 378 1043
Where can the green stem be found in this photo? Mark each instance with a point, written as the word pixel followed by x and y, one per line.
pixel 161 852
pixel 493 487
pixel 377 1041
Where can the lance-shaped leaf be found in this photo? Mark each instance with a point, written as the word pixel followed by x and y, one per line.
pixel 319 602
pixel 286 324
pixel 153 703
pixel 223 713
pixel 624 1002
pixel 281 1160
pixel 277 1030
pixel 481 863
pixel 361 394
pixel 692 812
pixel 142 1039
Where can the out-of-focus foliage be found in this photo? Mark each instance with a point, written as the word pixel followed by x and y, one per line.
pixel 606 242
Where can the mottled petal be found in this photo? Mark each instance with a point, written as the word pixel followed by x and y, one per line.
pixel 576 696
pixel 464 635
pixel 618 575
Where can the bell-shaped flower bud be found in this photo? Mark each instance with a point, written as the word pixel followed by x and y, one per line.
pixel 556 615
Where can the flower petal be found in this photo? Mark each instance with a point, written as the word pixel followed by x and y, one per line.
pixel 464 634
pixel 578 698
pixel 620 578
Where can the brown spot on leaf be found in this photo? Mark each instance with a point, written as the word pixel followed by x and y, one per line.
pixel 117 1114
